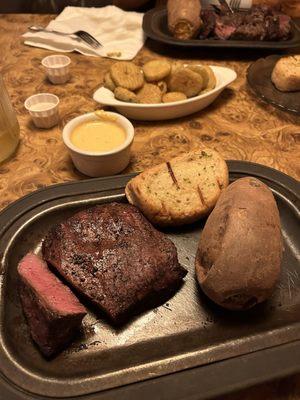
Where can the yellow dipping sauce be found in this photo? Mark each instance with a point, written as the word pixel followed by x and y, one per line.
pixel 98 135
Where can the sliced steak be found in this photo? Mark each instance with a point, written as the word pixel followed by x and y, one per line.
pixel 209 22
pixel 285 27
pixel 53 312
pixel 227 24
pixel 258 23
pixel 224 28
pixel 114 256
pixel 249 31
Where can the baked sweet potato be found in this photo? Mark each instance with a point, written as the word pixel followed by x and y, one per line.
pixel 184 20
pixel 240 249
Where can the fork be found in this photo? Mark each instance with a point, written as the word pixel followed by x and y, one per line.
pixel 83 35
pixel 226 5
pixel 235 4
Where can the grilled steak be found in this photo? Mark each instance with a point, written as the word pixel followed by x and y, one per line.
pixel 207 28
pixel 258 23
pixel 251 31
pixel 114 256
pixel 52 311
pixel 224 28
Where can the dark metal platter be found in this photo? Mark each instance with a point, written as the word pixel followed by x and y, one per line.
pixel 259 79
pixel 155 26
pixel 187 348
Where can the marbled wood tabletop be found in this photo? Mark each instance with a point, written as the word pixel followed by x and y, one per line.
pixel 236 124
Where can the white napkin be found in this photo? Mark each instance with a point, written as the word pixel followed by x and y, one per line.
pixel 119 32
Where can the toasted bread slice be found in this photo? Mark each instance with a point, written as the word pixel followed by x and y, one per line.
pixel 180 191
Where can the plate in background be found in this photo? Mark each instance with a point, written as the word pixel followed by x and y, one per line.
pixel 156 27
pixel 259 79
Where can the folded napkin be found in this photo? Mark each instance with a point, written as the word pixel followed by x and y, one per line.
pixel 119 32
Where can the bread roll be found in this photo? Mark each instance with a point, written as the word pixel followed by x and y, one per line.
pixel 240 249
pixel 184 20
pixel 286 74
pixel 180 191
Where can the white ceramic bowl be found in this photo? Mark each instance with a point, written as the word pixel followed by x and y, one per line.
pixel 154 112
pixel 97 164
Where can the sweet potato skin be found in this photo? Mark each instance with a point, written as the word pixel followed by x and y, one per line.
pixel 184 20
pixel 240 249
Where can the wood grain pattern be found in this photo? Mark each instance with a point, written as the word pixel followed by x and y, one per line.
pixel 281 389
pixel 237 125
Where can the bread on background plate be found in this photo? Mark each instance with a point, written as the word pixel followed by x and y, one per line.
pixel 180 191
pixel 286 74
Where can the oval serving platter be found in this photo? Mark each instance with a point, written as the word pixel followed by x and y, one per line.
pixel 163 111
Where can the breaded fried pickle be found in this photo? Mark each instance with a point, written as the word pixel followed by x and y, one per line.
pixel 186 81
pixel 127 75
pixel 149 94
pixel 173 96
pixel 156 70
pixel 125 95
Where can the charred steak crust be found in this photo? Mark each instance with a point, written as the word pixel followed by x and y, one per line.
pixel 52 311
pixel 114 256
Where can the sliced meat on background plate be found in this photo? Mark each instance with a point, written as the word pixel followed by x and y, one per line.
pixel 53 312
pixel 258 23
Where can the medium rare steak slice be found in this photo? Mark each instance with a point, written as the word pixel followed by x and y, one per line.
pixel 114 256
pixel 284 26
pixel 52 311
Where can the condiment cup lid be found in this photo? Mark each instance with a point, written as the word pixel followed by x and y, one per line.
pixel 39 98
pixel 56 61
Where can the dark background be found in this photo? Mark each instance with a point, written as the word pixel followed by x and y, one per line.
pixel 45 6
pixel 56 6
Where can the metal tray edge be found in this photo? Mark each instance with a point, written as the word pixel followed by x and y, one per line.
pixel 217 379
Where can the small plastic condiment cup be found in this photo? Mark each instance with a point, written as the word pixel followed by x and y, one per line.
pixel 96 164
pixel 57 68
pixel 43 108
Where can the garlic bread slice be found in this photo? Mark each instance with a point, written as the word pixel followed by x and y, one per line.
pixel 181 190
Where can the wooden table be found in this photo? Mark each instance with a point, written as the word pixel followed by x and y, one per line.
pixel 236 124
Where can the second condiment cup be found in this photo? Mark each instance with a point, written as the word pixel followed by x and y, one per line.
pixel 57 68
pixel 96 164
pixel 43 108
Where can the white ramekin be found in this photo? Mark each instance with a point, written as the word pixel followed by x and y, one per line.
pixel 48 117
pixel 57 68
pixel 96 164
